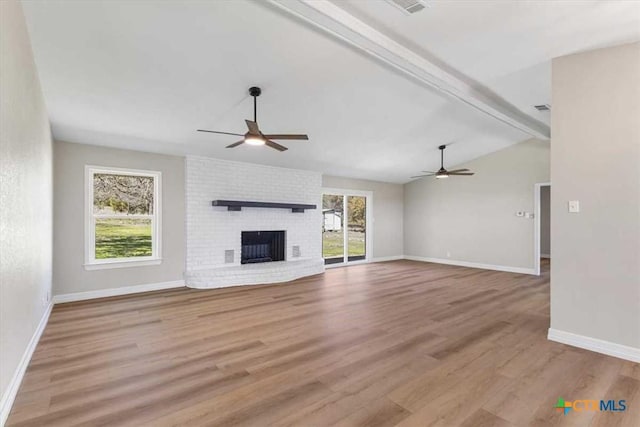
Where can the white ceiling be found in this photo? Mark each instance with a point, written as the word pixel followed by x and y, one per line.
pixel 506 46
pixel 145 74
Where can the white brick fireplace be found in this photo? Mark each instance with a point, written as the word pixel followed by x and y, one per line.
pixel 213 232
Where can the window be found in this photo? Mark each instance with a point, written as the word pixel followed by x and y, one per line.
pixel 122 217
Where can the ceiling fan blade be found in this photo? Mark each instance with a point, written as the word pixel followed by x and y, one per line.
pixel 277 146
pixel 431 172
pixel 235 144
pixel 288 136
pixel 253 127
pixel 422 176
pixel 461 173
pixel 459 170
pixel 222 133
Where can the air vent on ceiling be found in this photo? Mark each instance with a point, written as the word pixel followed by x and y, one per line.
pixel 409 6
pixel 543 107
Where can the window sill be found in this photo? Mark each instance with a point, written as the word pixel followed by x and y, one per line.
pixel 122 264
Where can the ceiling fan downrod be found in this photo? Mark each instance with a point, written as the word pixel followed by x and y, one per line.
pixel 255 92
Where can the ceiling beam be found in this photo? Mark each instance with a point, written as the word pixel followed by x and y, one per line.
pixel 336 21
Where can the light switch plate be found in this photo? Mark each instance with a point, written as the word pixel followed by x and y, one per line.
pixel 574 206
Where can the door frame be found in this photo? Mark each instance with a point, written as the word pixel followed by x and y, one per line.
pixel 536 225
pixel 368 220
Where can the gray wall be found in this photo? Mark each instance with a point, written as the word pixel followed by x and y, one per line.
pixel 595 158
pixel 473 219
pixel 25 195
pixel 69 275
pixel 387 212
pixel 545 220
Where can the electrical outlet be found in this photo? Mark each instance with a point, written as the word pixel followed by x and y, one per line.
pixel 574 206
pixel 448 254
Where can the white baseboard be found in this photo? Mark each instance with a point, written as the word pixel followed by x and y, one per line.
pixel 12 390
pixel 594 344
pixel 521 270
pixel 112 292
pixel 506 268
pixel 387 258
pixel 545 256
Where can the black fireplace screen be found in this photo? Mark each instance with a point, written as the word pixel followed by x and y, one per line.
pixel 262 246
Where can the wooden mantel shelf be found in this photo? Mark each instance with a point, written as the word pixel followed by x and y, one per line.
pixel 236 205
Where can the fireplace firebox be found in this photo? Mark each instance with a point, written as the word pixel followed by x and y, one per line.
pixel 262 246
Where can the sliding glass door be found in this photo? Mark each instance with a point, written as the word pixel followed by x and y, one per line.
pixel 344 227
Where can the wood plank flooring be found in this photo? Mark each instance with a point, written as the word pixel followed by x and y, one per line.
pixel 388 344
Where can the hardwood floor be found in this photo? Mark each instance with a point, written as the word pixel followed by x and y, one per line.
pixel 397 343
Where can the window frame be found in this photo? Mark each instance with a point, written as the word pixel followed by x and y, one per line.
pixel 90 261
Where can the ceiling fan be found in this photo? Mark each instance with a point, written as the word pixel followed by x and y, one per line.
pixel 442 172
pixel 254 136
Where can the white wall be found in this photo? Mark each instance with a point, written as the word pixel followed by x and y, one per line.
pixel 69 274
pixel 388 201
pixel 472 219
pixel 545 220
pixel 595 158
pixel 25 199
pixel 212 230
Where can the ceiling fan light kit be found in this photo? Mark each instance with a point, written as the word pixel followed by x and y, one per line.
pixel 253 139
pixel 255 136
pixel 442 172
